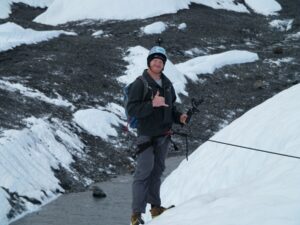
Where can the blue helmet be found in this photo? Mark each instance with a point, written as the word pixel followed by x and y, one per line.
pixel 157 52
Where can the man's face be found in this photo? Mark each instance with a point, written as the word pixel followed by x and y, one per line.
pixel 156 65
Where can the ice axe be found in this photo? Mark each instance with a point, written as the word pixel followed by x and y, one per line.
pixel 194 109
pixel 159 41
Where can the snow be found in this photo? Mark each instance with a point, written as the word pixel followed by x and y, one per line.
pixel 282 25
pixel 98 33
pixel 266 7
pixel 116 109
pixel 5 5
pixel 4 206
pixel 100 121
pixel 195 51
pixel 62 11
pixel 13 35
pixel 33 93
pixel 27 159
pixel 155 28
pixel 278 62
pixel 190 69
pixel 182 26
pixel 295 36
pixel 4 9
pixel 223 4
pixel 209 63
pixel 137 64
pixel 226 185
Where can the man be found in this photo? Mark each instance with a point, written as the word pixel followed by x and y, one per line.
pixel 155 113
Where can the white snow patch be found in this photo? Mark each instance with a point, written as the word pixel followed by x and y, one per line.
pixel 155 28
pixel 282 25
pixel 265 7
pixel 116 109
pixel 225 185
pixel 195 51
pixel 62 11
pixel 295 36
pixel 182 26
pixel 278 62
pixel 13 35
pixel 100 121
pixel 209 63
pixel 33 93
pixel 231 76
pixel 5 9
pixel 98 33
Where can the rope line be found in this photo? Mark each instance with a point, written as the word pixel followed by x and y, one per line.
pixel 254 149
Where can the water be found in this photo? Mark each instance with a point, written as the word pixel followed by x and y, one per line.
pixel 83 209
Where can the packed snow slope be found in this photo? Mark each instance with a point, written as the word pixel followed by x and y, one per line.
pixel 224 185
pixel 62 11
pixel 27 160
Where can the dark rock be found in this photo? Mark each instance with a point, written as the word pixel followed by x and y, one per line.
pixel 239 1
pixel 278 50
pixel 67 181
pixel 259 84
pixel 98 192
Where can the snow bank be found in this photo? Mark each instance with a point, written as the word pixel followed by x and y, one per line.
pixel 226 185
pixel 282 25
pixel 155 28
pixel 62 11
pixel 5 8
pixel 100 121
pixel 27 159
pixel 13 35
pixel 209 63
pixel 265 7
pixel 33 93
pixel 179 73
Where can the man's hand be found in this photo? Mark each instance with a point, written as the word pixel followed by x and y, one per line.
pixel 159 101
pixel 183 118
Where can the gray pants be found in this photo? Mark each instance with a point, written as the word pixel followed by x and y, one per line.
pixel 147 176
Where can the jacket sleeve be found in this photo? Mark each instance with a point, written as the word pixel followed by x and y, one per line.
pixel 137 106
pixel 175 113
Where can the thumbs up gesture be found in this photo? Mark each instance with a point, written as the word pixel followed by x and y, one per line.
pixel 158 101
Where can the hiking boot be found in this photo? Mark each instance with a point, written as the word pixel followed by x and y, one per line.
pixel 136 219
pixel 157 210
